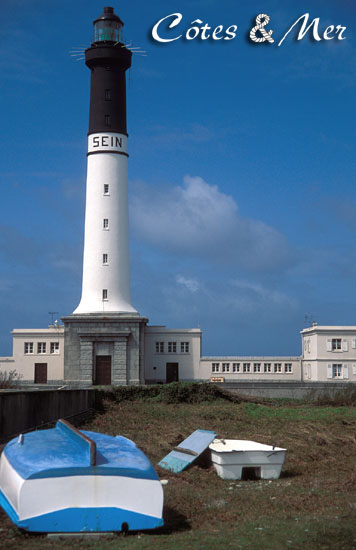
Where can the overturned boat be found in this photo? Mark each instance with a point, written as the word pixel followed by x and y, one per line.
pixel 66 480
pixel 232 458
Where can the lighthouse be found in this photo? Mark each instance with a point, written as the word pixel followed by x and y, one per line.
pixel 104 336
pixel 106 270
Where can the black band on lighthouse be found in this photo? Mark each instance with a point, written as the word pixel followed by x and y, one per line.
pixel 108 62
pixel 107 153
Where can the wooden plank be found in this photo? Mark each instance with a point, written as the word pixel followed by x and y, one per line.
pixel 187 451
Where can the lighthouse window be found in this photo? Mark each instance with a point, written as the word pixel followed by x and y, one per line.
pixel 106 188
pixel 105 259
pixel 107 95
pixel 106 223
pixel 107 120
pixel 105 293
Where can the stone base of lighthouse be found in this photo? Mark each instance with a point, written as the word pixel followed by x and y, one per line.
pixel 104 349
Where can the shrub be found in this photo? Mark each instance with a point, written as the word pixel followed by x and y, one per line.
pixel 9 379
pixel 345 397
pixel 176 392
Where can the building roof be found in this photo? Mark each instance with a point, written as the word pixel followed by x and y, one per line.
pixel 329 328
pixel 38 331
pixel 256 358
pixel 164 330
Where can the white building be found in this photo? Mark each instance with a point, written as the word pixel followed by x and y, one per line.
pixel 328 354
pixel 37 355
pixel 172 354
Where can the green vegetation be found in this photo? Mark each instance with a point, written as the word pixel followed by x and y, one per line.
pixel 311 507
pixel 177 392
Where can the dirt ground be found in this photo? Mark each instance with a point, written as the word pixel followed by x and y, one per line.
pixel 311 506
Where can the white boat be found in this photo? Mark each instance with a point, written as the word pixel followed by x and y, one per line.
pixel 234 458
pixel 66 480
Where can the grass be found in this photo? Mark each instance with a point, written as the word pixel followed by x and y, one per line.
pixel 312 506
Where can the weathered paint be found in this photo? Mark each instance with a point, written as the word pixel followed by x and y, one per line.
pixel 187 451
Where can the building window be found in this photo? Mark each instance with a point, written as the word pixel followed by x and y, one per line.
pixel 287 367
pixel 336 344
pixel 107 120
pixel 28 348
pixel 159 347
pixel 267 367
pixel 215 367
pixel 107 95
pixel 236 367
pixel 278 367
pixel 307 345
pixel 105 259
pixel 54 347
pixel 257 367
pixel 106 223
pixel 172 347
pixel 41 347
pixel 226 367
pixel 105 293
pixel 106 188
pixel 184 347
pixel 337 371
pixel 246 367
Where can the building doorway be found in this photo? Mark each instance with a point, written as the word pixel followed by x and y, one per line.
pixel 102 370
pixel 172 372
pixel 40 373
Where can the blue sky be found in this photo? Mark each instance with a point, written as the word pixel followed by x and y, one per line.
pixel 241 173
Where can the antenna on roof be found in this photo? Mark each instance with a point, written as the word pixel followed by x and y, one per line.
pixel 309 319
pixel 52 314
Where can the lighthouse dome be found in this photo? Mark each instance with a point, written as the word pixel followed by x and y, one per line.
pixel 108 27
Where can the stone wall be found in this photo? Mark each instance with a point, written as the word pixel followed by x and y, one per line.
pixel 291 390
pixel 121 335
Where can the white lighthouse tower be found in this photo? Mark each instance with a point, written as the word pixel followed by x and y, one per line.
pixel 106 270
pixel 104 336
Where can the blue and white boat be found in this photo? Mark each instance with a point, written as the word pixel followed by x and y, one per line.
pixel 66 480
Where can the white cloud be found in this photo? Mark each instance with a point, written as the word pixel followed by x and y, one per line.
pixel 251 294
pixel 199 220
pixel 191 284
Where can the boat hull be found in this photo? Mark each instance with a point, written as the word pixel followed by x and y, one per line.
pixel 231 457
pixel 49 483
pixel 84 520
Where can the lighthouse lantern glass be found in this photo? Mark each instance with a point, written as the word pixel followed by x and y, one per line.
pixel 108 31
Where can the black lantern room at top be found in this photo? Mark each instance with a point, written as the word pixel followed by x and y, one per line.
pixel 108 27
